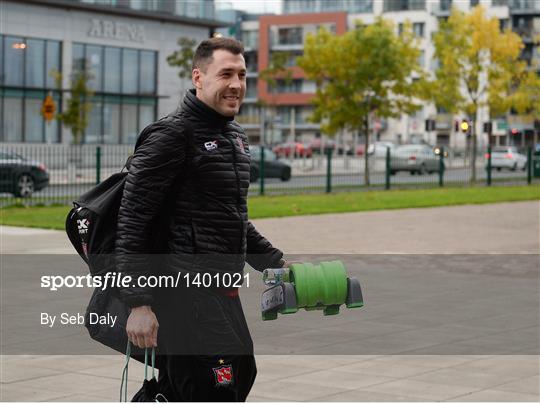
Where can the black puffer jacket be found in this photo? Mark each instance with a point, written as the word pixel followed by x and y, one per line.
pixel 191 175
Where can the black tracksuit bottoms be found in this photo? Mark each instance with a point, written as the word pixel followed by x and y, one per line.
pixel 208 351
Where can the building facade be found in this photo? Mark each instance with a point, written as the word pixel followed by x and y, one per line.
pixel 281 113
pixel 123 44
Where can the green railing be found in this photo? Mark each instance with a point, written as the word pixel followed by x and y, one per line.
pixel 58 174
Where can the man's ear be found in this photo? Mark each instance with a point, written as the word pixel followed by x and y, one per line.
pixel 196 78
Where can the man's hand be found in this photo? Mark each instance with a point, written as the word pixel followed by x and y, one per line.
pixel 287 264
pixel 142 327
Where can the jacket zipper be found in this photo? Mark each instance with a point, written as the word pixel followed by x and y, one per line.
pixel 237 192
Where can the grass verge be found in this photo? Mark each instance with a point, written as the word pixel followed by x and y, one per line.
pixel 53 217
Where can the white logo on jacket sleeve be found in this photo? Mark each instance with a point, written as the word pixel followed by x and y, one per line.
pixel 212 145
pixel 82 225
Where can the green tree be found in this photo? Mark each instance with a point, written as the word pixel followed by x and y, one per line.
pixel 479 67
pixel 183 57
pixel 76 114
pixel 276 71
pixel 365 73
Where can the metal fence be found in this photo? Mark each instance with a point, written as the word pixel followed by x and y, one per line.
pixel 55 174
pixel 332 172
pixel 58 174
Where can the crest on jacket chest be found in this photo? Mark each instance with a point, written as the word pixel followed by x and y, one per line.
pixel 240 144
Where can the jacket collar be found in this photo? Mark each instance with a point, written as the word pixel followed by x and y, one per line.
pixel 194 106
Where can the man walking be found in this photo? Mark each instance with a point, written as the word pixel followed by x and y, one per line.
pixel 191 175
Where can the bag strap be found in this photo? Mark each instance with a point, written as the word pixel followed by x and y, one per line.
pixel 146 363
pixel 124 382
pixel 125 373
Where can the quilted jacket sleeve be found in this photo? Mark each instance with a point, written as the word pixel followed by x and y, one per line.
pixel 260 252
pixel 155 165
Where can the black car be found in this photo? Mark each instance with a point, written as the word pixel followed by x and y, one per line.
pixel 273 168
pixel 20 176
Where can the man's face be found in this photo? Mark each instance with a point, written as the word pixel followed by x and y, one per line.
pixel 223 85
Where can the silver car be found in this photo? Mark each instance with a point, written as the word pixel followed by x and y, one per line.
pixel 507 157
pixel 416 159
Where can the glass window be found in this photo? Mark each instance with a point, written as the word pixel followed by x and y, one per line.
pixel 33 121
pixel 422 58
pixel 130 71
pixel 138 4
pixel 250 39
pixel 331 5
pixel 79 62
pixel 112 65
pixel 251 91
pixel 35 57
pixel 93 130
pixel 146 115
pixel 293 86
pixel 249 114
pixel 309 87
pixel 1 59
pixel 251 61
pixel 290 36
pixel 402 5
pixel 148 73
pixel 192 9
pixel 417 5
pixel 360 6
pixel 117 119
pixel 53 62
pixel 14 55
pixel 94 64
pixel 166 6
pixel 12 123
pixel 129 123
pixel 445 5
pixel 418 29
pixel 111 121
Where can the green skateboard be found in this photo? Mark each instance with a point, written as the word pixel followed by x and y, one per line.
pixel 313 287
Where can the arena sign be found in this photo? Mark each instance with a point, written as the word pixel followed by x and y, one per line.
pixel 116 30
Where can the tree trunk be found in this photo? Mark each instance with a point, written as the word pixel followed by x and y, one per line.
pixel 74 162
pixel 366 156
pixel 474 149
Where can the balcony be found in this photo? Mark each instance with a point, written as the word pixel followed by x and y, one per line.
pixel 443 8
pixel 404 5
pixel 527 34
pixel 524 6
pixel 248 119
pixel 191 8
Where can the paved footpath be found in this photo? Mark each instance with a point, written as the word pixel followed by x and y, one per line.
pixel 397 363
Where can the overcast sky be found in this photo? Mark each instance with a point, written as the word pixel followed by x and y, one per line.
pixel 257 6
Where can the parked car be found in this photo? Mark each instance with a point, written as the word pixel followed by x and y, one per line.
pixel 360 149
pixel 273 167
pixel 293 149
pixel 20 176
pixel 507 157
pixel 316 146
pixel 378 149
pixel 415 159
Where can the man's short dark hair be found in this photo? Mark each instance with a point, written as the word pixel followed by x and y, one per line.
pixel 205 50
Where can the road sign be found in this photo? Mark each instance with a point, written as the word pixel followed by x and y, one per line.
pixel 48 108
